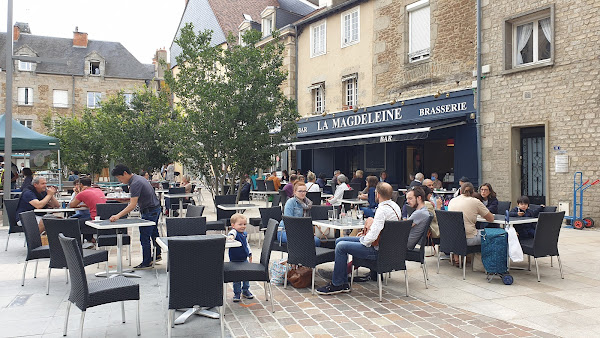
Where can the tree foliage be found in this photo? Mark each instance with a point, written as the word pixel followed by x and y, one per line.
pixel 235 116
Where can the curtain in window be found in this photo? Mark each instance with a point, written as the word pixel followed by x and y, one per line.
pixel 547 29
pixel 523 35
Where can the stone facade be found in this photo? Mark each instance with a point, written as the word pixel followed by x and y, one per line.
pixel 562 95
pixel 453 48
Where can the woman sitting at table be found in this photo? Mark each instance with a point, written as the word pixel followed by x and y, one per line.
pixel 297 206
pixel 369 211
pixel 488 196
pixel 339 190
pixel 312 185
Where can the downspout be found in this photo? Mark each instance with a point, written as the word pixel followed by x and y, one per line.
pixel 295 80
pixel 478 96
pixel 73 95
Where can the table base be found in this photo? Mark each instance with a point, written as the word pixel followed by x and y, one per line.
pixel 198 311
pixel 114 273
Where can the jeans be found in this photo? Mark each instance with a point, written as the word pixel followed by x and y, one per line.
pixel 368 212
pixel 345 246
pixel 475 240
pixel 149 232
pixel 282 237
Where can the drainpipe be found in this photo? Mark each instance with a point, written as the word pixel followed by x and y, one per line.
pixel 73 95
pixel 295 80
pixel 478 96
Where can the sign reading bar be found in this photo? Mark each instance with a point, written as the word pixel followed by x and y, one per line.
pixel 413 111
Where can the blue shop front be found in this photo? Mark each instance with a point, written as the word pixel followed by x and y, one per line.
pixel 425 134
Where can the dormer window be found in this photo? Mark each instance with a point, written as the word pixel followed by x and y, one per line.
pixel 267 26
pixel 25 66
pixel 94 67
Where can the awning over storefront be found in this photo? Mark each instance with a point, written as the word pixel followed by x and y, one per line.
pixel 380 135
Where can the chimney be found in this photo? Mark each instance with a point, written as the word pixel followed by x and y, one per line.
pixel 80 39
pixel 160 55
pixel 20 28
pixel 16 33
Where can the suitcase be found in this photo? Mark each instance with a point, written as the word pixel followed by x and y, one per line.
pixel 494 254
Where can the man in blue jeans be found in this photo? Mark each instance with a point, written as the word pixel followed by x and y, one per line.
pixel 142 194
pixel 362 246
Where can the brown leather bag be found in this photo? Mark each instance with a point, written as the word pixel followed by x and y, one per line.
pixel 300 277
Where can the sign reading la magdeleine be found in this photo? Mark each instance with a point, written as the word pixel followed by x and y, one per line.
pixel 413 111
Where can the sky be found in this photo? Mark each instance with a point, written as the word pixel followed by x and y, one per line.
pixel 142 26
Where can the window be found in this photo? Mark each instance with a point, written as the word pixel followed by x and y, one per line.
pixel 350 85
pixel 25 66
pixel 61 98
pixel 528 39
pixel 93 99
pixel 267 26
pixel 128 97
pixel 242 43
pixel 95 67
pixel 25 96
pixel 350 27
pixel 317 39
pixel 419 42
pixel 27 123
pixel 318 95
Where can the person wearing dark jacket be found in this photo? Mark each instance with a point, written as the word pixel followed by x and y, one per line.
pixel 28 174
pixel 488 196
pixel 523 210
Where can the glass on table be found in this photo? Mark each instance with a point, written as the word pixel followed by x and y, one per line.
pixel 359 214
pixel 331 215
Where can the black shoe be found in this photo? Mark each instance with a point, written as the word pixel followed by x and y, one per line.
pixel 361 279
pixel 331 289
pixel 143 267
pixel 158 258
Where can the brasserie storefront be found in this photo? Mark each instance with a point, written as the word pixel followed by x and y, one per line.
pixel 426 134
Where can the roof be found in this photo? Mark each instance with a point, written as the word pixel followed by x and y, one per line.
pixel 224 16
pixel 24 139
pixel 120 63
pixel 326 11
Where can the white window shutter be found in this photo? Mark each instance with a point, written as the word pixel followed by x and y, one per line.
pixel 21 96
pixel 420 29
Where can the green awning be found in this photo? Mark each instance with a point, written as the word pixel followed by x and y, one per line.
pixel 24 139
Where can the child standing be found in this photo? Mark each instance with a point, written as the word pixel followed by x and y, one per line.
pixel 240 254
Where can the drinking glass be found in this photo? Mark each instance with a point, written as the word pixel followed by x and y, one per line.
pixel 360 214
pixel 331 215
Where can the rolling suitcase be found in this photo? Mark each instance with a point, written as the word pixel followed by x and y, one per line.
pixel 494 254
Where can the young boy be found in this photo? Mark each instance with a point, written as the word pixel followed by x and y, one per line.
pixel 240 254
pixel 522 210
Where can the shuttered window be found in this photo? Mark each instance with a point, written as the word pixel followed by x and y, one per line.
pixel 318 40
pixel 60 98
pixel 350 27
pixel 419 30
pixel 25 96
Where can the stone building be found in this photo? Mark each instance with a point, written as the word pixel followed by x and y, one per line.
pixel 73 74
pixel 387 85
pixel 540 100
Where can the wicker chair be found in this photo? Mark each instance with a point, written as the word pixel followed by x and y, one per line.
pixel 418 255
pixel 84 295
pixel 391 254
pixel 223 216
pixel 453 238
pixel 177 226
pixel 301 246
pixel 194 211
pixel 70 228
pixel 545 241
pixel 109 237
pixel 10 206
pixel 258 272
pixel 193 281
pixel 35 249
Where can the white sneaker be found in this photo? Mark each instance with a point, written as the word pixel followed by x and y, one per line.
pixel 87 245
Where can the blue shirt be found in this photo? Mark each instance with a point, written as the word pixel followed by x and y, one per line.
pixel 292 208
pixel 27 196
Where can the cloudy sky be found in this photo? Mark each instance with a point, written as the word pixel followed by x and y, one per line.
pixel 142 26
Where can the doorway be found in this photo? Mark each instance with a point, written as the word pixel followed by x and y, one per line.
pixel 533 164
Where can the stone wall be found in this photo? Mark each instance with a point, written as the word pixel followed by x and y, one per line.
pixel 564 95
pixel 43 86
pixel 453 47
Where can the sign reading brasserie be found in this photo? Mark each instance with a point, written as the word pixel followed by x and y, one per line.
pixel 414 111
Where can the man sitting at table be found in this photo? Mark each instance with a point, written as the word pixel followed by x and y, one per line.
pixel 471 207
pixel 416 198
pixel 37 196
pixel 363 246
pixel 90 197
pixel 142 194
pixel 289 187
pixel 275 179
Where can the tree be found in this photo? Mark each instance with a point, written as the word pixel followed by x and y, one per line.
pixel 81 142
pixel 235 116
pixel 138 133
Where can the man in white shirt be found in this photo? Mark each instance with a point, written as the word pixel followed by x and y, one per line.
pixel 362 246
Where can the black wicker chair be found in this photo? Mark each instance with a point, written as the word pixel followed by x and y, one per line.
pixel 194 211
pixel 453 238
pixel 255 272
pixel 266 214
pixel 418 254
pixel 223 216
pixel 315 197
pixel 356 186
pixel 35 249
pixel 319 212
pixel 283 197
pixel 545 242
pixel 70 228
pixel 301 246
pixel 193 281
pixel 270 185
pixel 260 185
pixel 188 226
pixel 10 207
pixel 502 207
pixel 276 201
pixel 84 295
pixel 548 209
pixel 109 237
pixel 172 204
pixel 391 254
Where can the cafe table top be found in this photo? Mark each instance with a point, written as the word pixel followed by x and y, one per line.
pixel 163 242
pixel 354 201
pixel 53 210
pixel 120 223
pixel 499 219
pixel 340 225
pixel 239 206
